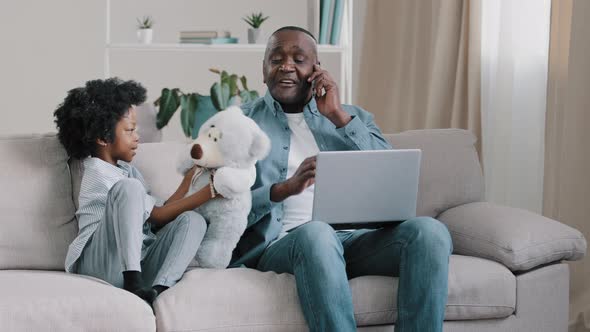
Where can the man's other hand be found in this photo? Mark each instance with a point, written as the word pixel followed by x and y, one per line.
pixel 304 177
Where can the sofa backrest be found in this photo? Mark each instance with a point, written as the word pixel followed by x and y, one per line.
pixel 36 208
pixel 155 161
pixel 450 174
pixel 39 189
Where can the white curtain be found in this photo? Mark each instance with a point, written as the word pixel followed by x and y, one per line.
pixel 514 60
pixel 567 181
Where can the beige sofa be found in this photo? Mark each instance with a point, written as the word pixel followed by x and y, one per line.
pixel 506 273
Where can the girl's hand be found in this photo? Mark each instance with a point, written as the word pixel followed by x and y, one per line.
pixel 190 173
pixel 184 185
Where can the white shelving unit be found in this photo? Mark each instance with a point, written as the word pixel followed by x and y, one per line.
pixel 212 48
pixel 344 50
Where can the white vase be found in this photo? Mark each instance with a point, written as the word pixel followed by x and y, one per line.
pixel 253 36
pixel 144 36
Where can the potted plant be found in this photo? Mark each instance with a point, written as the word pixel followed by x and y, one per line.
pixel 144 29
pixel 195 108
pixel 255 20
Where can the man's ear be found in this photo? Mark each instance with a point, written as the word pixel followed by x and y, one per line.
pixel 263 72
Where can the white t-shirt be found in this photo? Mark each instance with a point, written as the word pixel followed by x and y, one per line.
pixel 297 208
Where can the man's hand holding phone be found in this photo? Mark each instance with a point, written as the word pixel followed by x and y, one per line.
pixel 325 91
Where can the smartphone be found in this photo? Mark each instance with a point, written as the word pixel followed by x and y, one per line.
pixel 313 92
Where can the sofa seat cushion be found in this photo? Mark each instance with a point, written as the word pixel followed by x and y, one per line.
pixel 56 301
pixel 245 298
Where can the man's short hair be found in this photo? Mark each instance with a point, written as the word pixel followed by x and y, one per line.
pixel 294 28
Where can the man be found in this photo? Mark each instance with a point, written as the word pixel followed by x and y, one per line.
pixel 302 115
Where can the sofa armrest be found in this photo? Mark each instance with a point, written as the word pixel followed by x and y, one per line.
pixel 516 238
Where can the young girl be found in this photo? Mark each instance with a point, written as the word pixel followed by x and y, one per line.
pixel 116 213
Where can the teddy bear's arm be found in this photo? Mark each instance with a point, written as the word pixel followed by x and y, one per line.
pixel 229 181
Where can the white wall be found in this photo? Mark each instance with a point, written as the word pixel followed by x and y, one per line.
pixel 49 47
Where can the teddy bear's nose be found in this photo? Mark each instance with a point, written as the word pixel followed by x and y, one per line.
pixel 196 151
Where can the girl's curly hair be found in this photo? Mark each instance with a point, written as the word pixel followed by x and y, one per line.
pixel 91 112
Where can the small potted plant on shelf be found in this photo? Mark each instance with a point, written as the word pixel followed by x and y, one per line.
pixel 255 20
pixel 144 29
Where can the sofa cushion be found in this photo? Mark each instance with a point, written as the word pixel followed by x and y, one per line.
pixel 146 123
pixel 37 221
pixel 517 238
pixel 227 299
pixel 157 163
pixel 450 174
pixel 56 301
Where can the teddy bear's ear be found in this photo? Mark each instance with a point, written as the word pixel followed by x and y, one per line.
pixel 260 145
pixel 236 109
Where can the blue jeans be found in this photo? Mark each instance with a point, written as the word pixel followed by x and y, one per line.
pixel 322 260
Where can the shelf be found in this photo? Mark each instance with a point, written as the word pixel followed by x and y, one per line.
pixel 210 48
pixel 122 49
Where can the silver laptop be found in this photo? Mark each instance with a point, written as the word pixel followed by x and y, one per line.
pixel 364 187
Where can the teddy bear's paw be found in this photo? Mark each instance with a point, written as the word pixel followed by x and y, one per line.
pixel 231 182
pixel 223 184
pixel 209 261
pixel 194 263
pixel 212 265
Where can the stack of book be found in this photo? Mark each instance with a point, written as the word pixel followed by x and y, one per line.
pixel 206 37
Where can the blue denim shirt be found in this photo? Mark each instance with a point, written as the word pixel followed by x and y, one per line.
pixel 264 220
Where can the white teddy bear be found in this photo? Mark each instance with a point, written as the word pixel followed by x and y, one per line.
pixel 229 145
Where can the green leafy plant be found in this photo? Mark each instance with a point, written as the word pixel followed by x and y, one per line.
pixel 223 94
pixel 255 20
pixel 145 23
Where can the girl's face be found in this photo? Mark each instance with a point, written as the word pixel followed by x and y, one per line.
pixel 126 138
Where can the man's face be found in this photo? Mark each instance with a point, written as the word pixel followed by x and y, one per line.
pixel 288 62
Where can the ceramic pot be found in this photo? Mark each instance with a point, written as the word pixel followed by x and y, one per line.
pixel 144 36
pixel 254 36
